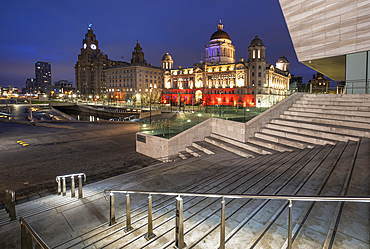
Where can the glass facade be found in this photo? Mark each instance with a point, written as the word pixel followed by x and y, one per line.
pixel 357 73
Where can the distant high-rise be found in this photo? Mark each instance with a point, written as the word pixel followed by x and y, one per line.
pixel 42 75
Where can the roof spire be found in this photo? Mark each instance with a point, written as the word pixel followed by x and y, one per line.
pixel 220 26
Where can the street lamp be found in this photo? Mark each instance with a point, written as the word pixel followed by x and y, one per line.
pixel 199 114
pixel 150 105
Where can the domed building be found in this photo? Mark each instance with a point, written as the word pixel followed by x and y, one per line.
pixel 220 80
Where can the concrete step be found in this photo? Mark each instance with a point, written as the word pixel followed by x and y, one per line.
pixel 330 96
pixel 247 146
pixel 328 116
pixel 194 151
pixel 215 149
pixel 230 147
pixel 299 144
pixel 333 103
pixel 184 155
pixel 356 107
pixel 342 130
pixel 270 145
pixel 203 147
pixel 317 110
pixel 327 121
pixel 296 136
pixel 344 98
pixel 313 133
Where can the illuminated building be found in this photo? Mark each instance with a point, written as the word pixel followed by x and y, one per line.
pixel 43 76
pixel 222 81
pixel 89 75
pixel 31 86
pixel 319 84
pixel 138 82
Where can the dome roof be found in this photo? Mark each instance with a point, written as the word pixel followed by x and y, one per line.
pixel 220 33
pixel 283 59
pixel 256 42
pixel 167 56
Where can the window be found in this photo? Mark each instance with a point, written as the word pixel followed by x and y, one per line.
pixel 252 74
pixel 259 74
pixel 259 83
pixel 259 67
pixel 252 67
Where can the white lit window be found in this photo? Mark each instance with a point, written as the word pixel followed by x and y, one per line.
pixel 259 53
pixel 254 54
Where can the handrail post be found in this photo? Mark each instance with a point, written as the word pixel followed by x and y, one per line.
pixel 12 213
pixel 23 237
pixel 290 225
pixel 112 210
pixel 29 240
pixel 222 235
pixel 7 201
pixel 59 187
pixel 64 186
pixel 73 191
pixel 80 194
pixel 150 233
pixel 179 236
pixel 128 215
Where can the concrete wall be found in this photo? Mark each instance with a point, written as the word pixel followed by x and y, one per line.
pixel 158 147
pixel 147 114
pixel 229 129
pixel 254 125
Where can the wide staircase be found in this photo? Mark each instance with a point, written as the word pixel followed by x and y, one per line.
pixel 318 154
pixel 313 120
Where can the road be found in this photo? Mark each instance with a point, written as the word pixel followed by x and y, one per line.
pixel 31 157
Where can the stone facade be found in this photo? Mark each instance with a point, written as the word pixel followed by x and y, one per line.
pixel 220 80
pixel 138 81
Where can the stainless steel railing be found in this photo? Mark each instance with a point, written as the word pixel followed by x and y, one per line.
pixel 179 237
pixel 73 191
pixel 27 233
pixel 10 203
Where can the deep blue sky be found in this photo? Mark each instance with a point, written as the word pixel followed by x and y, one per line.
pixel 52 31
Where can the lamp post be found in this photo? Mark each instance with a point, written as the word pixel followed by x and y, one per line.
pixel 219 104
pixel 259 103
pixel 199 117
pixel 150 105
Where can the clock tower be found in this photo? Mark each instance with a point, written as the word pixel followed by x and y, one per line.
pixel 89 74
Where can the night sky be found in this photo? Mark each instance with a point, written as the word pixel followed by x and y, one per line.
pixel 52 31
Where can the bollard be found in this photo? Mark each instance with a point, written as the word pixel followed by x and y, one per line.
pixel 222 235
pixel 59 188
pixel 12 213
pixel 73 193
pixel 29 240
pixel 150 233
pixel 128 215
pixel 80 195
pixel 290 225
pixel 179 239
pixel 112 210
pixel 64 186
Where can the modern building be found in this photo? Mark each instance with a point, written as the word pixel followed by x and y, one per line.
pixel 31 86
pixel 43 76
pixel 63 87
pixel 138 82
pixel 89 69
pixel 220 80
pixel 332 37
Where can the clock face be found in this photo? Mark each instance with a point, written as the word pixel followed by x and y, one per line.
pixel 93 46
pixel 85 46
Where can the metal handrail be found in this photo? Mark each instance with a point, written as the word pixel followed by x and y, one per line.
pixel 23 224
pixel 70 175
pixel 63 178
pixel 179 235
pixel 239 196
